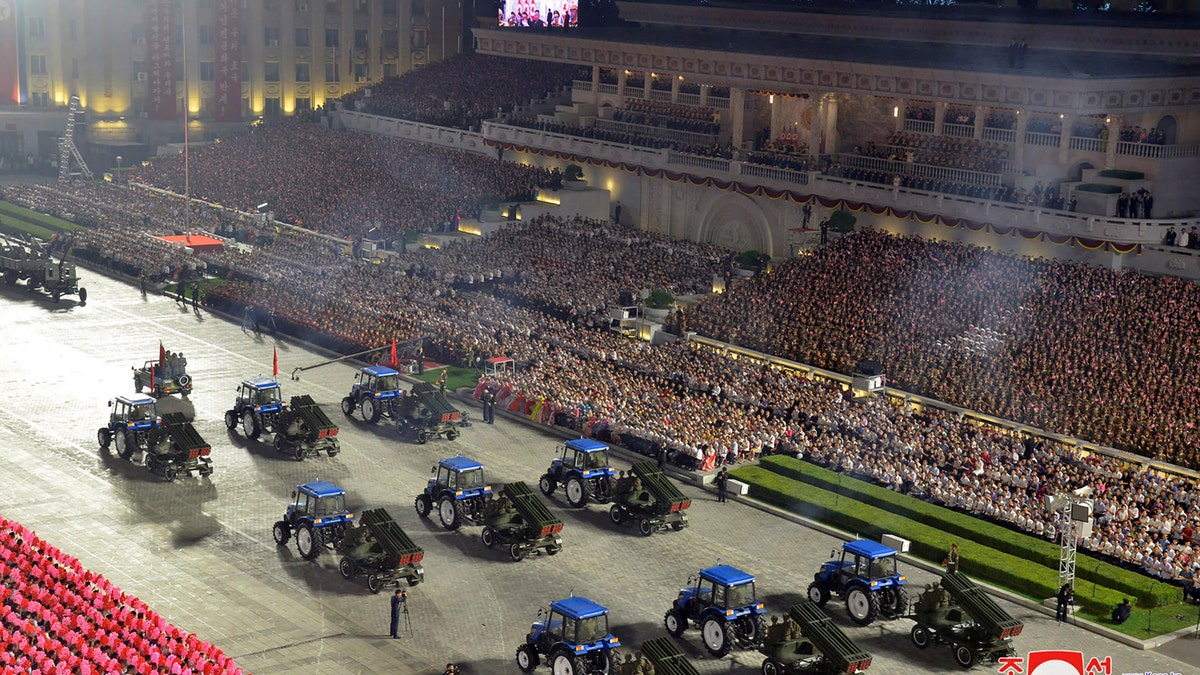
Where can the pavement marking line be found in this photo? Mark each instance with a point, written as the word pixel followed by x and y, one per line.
pixel 289 646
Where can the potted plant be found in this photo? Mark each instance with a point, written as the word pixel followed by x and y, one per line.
pixel 573 177
pixel 659 304
pixel 841 221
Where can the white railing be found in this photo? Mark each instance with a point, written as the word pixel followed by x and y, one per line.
pixel 919 126
pixel 922 170
pixel 773 173
pixel 1088 144
pixel 721 102
pixel 582 85
pixel 959 130
pixel 999 135
pixel 1158 151
pixel 608 89
pixel 688 99
pixel 1043 140
pixel 665 133
pixel 660 95
pixel 458 139
pixel 699 161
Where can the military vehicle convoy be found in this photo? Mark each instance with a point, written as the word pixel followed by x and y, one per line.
pixel 458 490
pixel 425 414
pixel 317 517
pixel 572 636
pixel 648 498
pixel 28 260
pixel 721 602
pixel 381 551
pixel 958 613
pixel 375 393
pixel 168 375
pixel 582 469
pixel 807 641
pixel 866 577
pixel 301 428
pixel 520 521
pixel 167 446
pixel 664 657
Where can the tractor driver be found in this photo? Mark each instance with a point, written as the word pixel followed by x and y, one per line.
pixel 266 396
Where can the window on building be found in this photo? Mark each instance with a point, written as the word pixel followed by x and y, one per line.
pixel 271 107
pixel 303 103
pixel 139 67
pixel 39 99
pixel 418 8
pixel 208 71
pixel 331 38
pixel 245 71
pixel 389 6
pixel 179 70
pixel 302 37
pixel 271 36
pixel 331 72
pixel 361 72
pixel 391 39
pixel 37 26
pixel 206 35
pixel 302 74
pixel 271 71
pixel 138 33
pixel 389 69
pixel 37 64
pixel 75 68
pixel 360 38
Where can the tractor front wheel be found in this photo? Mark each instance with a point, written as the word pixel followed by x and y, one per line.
pixel 818 594
pixel 675 622
pixel 546 484
pixel 281 532
pixel 104 437
pixel 347 406
pixel 423 505
pixel 231 420
pixel 527 658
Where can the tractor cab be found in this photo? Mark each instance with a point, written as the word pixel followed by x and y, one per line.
pixel 724 588
pixel 261 394
pixel 586 456
pixel 577 623
pixel 381 382
pixel 462 476
pixel 134 412
pixel 866 561
pixel 318 501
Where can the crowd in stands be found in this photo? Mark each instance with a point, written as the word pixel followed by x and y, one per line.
pixel 1001 119
pixel 916 111
pixel 463 91
pixel 57 617
pixel 669 115
pixel 1049 197
pixel 617 136
pixel 961 116
pixel 1136 134
pixel 345 183
pixel 958 153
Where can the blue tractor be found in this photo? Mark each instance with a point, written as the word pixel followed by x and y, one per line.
pixel 866 577
pixel 721 602
pixel 583 470
pixel 376 392
pixel 458 490
pixel 130 421
pixel 256 407
pixel 572 635
pixel 318 518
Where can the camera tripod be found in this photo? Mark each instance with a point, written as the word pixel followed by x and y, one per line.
pixel 407 621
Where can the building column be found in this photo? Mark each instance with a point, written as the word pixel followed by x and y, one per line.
pixel 1064 141
pixel 1019 150
pixel 375 49
pixel 622 78
pixel 829 130
pixel 980 119
pixel 939 117
pixel 737 116
pixel 404 30
pixel 596 85
pixel 647 80
pixel 676 80
pixel 899 113
pixel 704 95
pixel 1113 125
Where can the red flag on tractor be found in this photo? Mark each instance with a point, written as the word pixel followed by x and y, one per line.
pixel 162 354
pixel 275 362
pixel 395 362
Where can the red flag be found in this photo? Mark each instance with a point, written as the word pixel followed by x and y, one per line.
pixel 275 362
pixel 162 354
pixel 394 361
pixel 151 376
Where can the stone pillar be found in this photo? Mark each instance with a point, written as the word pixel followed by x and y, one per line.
pixel 622 77
pixel 1019 148
pixel 596 85
pixel 675 82
pixel 647 80
pixel 829 124
pixel 939 117
pixel 899 112
pixel 1064 142
pixel 704 94
pixel 1113 125
pixel 981 112
pixel 737 116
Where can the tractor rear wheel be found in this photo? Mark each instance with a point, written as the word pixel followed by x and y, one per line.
pixel 250 426
pixel 346 567
pixel 862 605
pixel 307 543
pixel 370 410
pixel 104 437
pixel 281 532
pixel 715 635
pixel 576 493
pixel 527 658
pixel 564 664
pixel 448 513
pixel 919 636
pixel 894 602
pixel 123 444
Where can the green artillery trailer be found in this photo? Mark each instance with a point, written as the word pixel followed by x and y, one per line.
pixel 656 506
pixel 304 430
pixel 809 642
pixel 174 447
pixel 666 659
pixel 525 527
pixel 380 550
pixel 425 413
pixel 959 613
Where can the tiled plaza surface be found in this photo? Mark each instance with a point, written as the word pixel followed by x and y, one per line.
pixel 200 550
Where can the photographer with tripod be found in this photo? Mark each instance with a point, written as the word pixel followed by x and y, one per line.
pixel 399 606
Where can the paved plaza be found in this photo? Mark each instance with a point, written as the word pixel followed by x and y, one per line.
pixel 200 551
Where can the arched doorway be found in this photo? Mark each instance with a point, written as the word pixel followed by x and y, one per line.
pixel 1075 173
pixel 735 222
pixel 1169 129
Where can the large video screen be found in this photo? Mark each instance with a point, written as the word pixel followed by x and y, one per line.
pixel 551 13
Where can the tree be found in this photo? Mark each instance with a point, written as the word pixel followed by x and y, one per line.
pixel 660 299
pixel 573 173
pixel 842 221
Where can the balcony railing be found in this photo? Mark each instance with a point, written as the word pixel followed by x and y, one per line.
pixel 1042 140
pixel 919 126
pixel 999 135
pixel 923 170
pixel 959 130
pixel 1089 144
pixel 609 89
pixel 688 99
pixel 1158 151
pixel 582 85
pixel 665 133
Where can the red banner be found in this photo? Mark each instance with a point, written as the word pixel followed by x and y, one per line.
pixel 10 66
pixel 160 57
pixel 227 96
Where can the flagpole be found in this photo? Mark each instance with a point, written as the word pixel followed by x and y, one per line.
pixel 187 188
